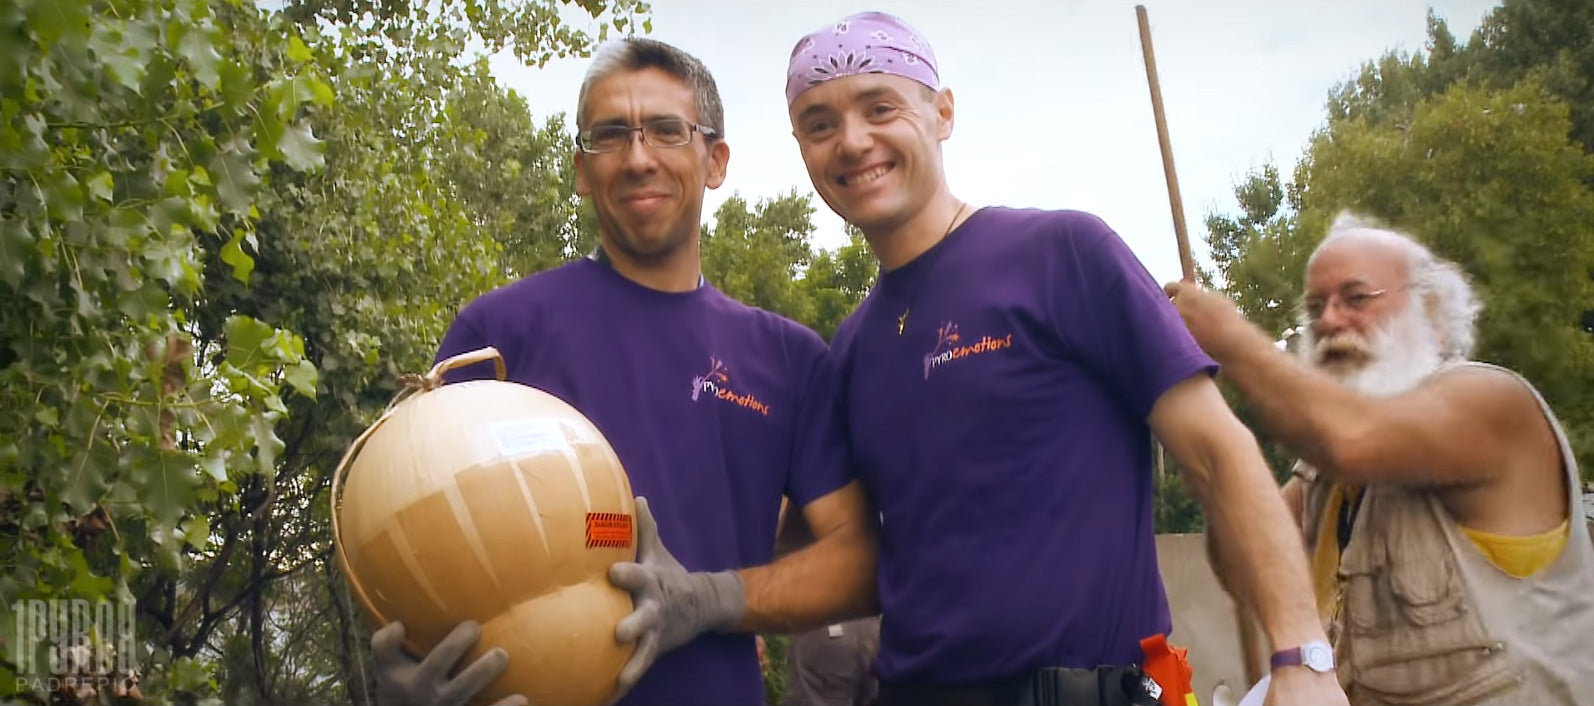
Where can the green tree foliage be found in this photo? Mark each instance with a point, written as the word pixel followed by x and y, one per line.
pixel 837 281
pixel 1548 41
pixel 1481 151
pixel 1175 509
pixel 755 254
pixel 224 231
pixel 1258 253
pixel 516 179
pixel 777 677
pixel 764 256
pixel 1551 40
pixel 134 136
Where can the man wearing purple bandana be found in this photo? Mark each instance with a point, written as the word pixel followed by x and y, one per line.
pixel 1002 382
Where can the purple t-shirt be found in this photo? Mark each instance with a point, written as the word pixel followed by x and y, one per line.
pixel 714 408
pixel 1003 433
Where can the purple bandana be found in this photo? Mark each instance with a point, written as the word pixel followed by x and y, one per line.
pixel 865 43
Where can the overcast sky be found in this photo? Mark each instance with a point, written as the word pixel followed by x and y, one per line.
pixel 1053 108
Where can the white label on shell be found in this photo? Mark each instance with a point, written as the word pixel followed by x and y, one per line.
pixel 523 437
pixel 577 434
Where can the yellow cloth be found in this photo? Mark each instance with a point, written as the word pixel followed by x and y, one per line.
pixel 1518 556
pixel 1521 556
pixel 1325 556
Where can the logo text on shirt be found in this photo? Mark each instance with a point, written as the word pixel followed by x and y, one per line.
pixel 949 347
pixel 717 384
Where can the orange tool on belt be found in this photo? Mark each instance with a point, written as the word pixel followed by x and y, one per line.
pixel 1168 666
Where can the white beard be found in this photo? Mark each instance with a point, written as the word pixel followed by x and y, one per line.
pixel 1400 354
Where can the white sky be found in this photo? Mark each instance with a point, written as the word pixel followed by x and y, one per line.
pixel 1053 107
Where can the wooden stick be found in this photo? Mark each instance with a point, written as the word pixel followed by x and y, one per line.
pixel 1185 262
pixel 1246 622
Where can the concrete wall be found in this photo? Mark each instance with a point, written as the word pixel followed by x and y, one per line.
pixel 1205 619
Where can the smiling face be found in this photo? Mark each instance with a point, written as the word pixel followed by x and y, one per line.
pixel 871 143
pixel 649 200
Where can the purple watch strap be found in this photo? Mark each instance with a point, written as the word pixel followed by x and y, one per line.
pixel 1287 658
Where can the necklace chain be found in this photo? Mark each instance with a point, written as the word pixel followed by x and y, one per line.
pixel 902 321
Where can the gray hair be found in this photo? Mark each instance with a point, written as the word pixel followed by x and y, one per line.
pixel 1438 286
pixel 637 53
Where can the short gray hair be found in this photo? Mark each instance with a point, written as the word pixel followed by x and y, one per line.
pixel 1437 285
pixel 637 53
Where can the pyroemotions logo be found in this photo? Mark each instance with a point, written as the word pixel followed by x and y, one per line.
pixel 716 382
pixel 74 645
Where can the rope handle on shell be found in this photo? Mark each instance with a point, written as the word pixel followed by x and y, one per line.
pixel 413 384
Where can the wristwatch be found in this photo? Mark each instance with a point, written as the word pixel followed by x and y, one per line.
pixel 1315 655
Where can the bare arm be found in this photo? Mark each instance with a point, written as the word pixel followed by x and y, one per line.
pixel 1262 562
pixel 1462 427
pixel 828 581
pixel 1294 498
pixel 791 530
pixel 1292 493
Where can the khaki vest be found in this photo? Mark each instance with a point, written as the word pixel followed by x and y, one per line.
pixel 1426 619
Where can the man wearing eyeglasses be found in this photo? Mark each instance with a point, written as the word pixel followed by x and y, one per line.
pixel 1437 497
pixel 715 409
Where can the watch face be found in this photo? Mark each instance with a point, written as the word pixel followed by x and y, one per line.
pixel 1318 657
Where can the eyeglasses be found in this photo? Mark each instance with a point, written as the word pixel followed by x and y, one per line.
pixel 666 132
pixel 1350 300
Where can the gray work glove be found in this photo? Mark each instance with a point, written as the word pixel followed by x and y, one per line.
pixel 671 605
pixel 402 681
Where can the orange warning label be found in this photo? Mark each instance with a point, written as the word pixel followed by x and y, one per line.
pixel 608 529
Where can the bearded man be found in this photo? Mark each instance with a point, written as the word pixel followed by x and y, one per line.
pixel 1437 496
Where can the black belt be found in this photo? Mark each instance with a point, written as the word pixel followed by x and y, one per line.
pixel 1052 686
